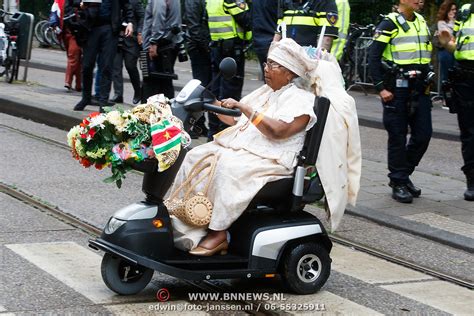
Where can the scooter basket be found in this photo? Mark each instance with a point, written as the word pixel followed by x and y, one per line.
pixel 195 210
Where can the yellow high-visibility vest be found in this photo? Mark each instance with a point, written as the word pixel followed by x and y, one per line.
pixel 221 23
pixel 407 48
pixel 344 14
pixel 464 32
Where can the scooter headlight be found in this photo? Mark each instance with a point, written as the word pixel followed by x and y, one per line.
pixel 113 225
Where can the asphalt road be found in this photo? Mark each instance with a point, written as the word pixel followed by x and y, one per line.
pixel 47 268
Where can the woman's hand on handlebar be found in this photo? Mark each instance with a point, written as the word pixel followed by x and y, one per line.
pixel 234 104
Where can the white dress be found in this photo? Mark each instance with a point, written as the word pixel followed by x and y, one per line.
pixel 247 159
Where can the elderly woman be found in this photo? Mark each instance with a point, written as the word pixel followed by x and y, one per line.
pixel 258 148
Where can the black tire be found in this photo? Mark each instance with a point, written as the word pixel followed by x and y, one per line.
pixel 11 64
pixel 113 273
pixel 39 32
pixel 306 267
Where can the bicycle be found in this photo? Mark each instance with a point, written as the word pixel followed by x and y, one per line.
pixel 11 61
pixel 39 31
pixel 354 60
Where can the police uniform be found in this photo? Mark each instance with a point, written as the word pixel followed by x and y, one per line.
pixel 405 46
pixel 344 13
pixel 229 27
pixel 304 19
pixel 464 90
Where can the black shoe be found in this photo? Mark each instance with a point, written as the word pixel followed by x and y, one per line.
pixel 117 99
pixel 136 98
pixel 401 193
pixel 413 189
pixel 469 194
pixel 82 104
pixel 103 104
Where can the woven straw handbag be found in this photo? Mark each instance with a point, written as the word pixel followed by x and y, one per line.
pixel 194 209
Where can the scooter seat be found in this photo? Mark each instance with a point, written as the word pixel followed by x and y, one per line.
pixel 275 194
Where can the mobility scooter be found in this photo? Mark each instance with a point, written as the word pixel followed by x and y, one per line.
pixel 274 236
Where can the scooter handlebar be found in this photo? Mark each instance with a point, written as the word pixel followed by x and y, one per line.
pixel 220 110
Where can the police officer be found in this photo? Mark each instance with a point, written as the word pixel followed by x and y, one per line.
pixel 229 27
pixel 342 24
pixel 305 18
pixel 104 18
pixel 463 87
pixel 402 50
pixel 160 17
pixel 128 53
pixel 264 24
pixel 195 17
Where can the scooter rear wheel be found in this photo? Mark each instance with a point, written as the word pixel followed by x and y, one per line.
pixel 123 277
pixel 306 267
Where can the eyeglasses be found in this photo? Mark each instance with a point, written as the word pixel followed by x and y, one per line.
pixel 271 65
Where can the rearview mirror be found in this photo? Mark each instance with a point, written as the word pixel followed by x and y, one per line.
pixel 228 68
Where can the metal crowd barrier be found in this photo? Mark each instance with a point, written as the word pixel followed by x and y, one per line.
pixel 361 64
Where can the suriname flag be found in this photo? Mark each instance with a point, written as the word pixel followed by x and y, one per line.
pixel 165 136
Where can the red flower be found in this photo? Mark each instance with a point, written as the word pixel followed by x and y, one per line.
pixel 85 122
pixel 83 136
pixel 99 166
pixel 94 114
pixel 85 162
pixel 91 132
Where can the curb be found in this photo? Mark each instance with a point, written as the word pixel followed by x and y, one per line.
pixel 363 120
pixel 16 108
pixel 444 237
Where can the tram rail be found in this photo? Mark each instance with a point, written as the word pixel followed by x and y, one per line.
pixel 207 286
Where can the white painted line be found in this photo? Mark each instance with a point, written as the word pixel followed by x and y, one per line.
pixel 442 295
pixel 370 269
pixel 333 304
pixel 181 308
pixel 443 223
pixel 70 263
pixel 2 309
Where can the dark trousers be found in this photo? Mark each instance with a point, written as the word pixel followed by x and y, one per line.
pixel 100 41
pixel 464 91
pixel 201 65
pixel 128 55
pixel 262 57
pixel 155 85
pixel 222 88
pixel 404 156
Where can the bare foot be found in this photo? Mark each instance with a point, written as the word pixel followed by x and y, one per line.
pixel 213 239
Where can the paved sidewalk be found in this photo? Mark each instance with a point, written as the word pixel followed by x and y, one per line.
pixel 440 214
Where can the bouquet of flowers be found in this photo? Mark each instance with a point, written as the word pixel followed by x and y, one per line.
pixel 117 137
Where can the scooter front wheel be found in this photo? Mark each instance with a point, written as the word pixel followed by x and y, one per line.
pixel 123 277
pixel 306 268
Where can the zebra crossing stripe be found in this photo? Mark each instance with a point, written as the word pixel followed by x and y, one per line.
pixel 70 263
pixel 455 299
pixel 369 269
pixel 79 268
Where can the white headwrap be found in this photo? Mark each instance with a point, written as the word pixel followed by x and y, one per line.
pixel 303 61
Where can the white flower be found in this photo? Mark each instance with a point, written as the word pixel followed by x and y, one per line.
pixel 73 133
pixel 115 118
pixel 97 121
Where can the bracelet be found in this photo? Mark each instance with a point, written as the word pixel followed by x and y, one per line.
pixel 258 119
pixel 252 115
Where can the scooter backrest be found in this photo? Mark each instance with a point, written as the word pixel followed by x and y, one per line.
pixel 315 134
